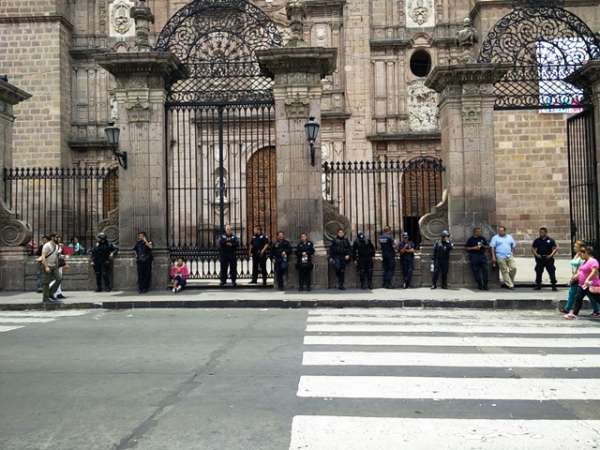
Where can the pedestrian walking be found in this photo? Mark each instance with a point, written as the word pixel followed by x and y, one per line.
pixel 363 252
pixel 144 258
pixel 281 250
pixel 304 262
pixel 544 249
pixel 588 284
pixel 101 258
pixel 259 246
pixel 407 249
pixel 441 260
pixel 40 270
pixel 63 254
pixel 228 247
pixel 388 253
pixel 503 245
pixel 575 264
pixel 51 274
pixel 476 247
pixel 179 275
pixel 340 252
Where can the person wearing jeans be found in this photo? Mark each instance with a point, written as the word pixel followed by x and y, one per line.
pixel 575 264
pixel 588 285
pixel 503 246
pixel 51 272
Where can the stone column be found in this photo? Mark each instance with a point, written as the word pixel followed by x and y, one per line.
pixel 297 71
pixel 141 92
pixel 14 233
pixel 468 153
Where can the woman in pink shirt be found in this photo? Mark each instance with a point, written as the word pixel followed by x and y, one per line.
pixel 588 284
pixel 179 274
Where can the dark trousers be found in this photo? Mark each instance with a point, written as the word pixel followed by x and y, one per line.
pixel 304 276
pixel 259 263
pixel 181 282
pixel 580 295
pixel 280 273
pixel 53 274
pixel 389 266
pixel 479 267
pixel 340 271
pixel 228 264
pixel 144 269
pixel 441 268
pixel 365 273
pixel 547 264
pixel 102 270
pixel 407 270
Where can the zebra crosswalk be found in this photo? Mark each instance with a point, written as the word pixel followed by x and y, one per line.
pixel 14 320
pixel 469 380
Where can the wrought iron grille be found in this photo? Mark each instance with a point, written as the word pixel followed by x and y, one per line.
pixel 217 40
pixel 68 201
pixel 544 44
pixel 373 194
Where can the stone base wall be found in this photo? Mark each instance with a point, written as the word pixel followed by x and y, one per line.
pixel 78 275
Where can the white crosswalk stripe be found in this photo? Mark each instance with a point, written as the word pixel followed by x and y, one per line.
pixel 14 320
pixel 367 356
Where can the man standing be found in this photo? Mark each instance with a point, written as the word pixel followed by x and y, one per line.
pixel 304 254
pixel 544 249
pixel 476 247
pixel 339 255
pixel 102 255
pixel 228 246
pixel 503 246
pixel 259 245
pixel 144 258
pixel 281 251
pixel 441 260
pixel 363 252
pixel 51 273
pixel 388 252
pixel 407 258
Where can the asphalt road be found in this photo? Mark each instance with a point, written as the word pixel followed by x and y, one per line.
pixel 296 379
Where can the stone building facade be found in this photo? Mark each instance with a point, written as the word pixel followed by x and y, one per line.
pixel 374 106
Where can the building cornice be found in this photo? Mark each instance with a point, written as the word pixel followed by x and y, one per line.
pixel 481 4
pixel 53 18
pixel 405 137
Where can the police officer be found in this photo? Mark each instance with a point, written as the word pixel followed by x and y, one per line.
pixel 441 260
pixel 363 252
pixel 406 248
pixel 340 251
pixel 281 251
pixel 304 254
pixel 143 258
pixel 228 246
pixel 544 249
pixel 101 256
pixel 259 246
pixel 388 252
pixel 476 247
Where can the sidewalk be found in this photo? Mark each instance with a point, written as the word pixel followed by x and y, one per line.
pixel 520 298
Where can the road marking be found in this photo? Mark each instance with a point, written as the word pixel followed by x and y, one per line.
pixel 457 328
pixel 25 319
pixel 449 388
pixel 4 329
pixel 371 433
pixel 453 341
pixel 70 313
pixel 420 312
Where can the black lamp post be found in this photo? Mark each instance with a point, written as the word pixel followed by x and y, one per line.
pixel 312 131
pixel 112 137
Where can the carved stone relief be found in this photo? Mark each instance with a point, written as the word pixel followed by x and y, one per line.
pixel 419 13
pixel 121 25
pixel 422 107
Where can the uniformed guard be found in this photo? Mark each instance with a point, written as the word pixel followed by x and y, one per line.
pixel 340 252
pixel 406 248
pixel 228 246
pixel 304 262
pixel 143 259
pixel 476 248
pixel 281 250
pixel 544 249
pixel 388 252
pixel 101 256
pixel 363 252
pixel 441 260
pixel 259 247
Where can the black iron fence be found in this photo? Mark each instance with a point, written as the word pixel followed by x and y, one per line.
pixel 68 201
pixel 373 194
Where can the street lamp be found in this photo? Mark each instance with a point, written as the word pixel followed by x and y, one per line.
pixel 112 137
pixel 312 131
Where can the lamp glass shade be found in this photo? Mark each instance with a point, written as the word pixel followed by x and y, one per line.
pixel 112 135
pixel 312 129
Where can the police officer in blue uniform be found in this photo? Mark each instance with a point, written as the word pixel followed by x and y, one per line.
pixel 388 252
pixel 406 248
pixel 259 247
pixel 304 262
pixel 228 246
pixel 441 260
pixel 340 252
pixel 476 247
pixel 363 252
pixel 281 250
pixel 544 249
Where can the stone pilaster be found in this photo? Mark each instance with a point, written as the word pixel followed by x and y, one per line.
pixel 141 80
pixel 297 73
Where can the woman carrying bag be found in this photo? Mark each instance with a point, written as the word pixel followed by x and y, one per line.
pixel 588 284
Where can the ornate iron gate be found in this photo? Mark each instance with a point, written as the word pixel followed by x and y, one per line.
pixel 583 179
pixel 220 131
